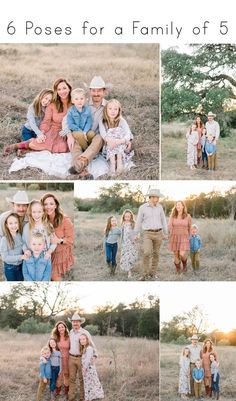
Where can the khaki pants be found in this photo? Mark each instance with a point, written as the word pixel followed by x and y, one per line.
pixel 212 162
pixel 198 389
pixel 194 256
pixel 41 388
pixel 74 368
pixel 151 250
pixel 80 138
pixel 91 151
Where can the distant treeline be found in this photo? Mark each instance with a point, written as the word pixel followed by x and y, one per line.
pixel 120 196
pixel 43 186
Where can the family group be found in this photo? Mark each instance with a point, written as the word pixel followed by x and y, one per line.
pixel 64 120
pixel 182 236
pixel 201 141
pixel 67 356
pixel 199 365
pixel 36 239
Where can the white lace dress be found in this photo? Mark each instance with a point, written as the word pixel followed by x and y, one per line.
pixel 129 252
pixel 184 375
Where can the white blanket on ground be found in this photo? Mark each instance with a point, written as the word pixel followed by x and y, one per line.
pixel 57 164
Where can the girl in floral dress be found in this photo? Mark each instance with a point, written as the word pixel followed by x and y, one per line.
pixel 184 374
pixel 92 386
pixel 129 252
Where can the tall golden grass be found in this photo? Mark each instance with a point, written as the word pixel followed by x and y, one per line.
pixel 127 367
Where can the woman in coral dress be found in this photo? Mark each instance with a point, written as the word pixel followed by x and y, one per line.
pixel 52 122
pixel 207 349
pixel 62 257
pixel 179 229
pixel 61 334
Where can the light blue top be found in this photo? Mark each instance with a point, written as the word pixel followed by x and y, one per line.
pixel 45 368
pixel 113 235
pixel 12 256
pixel 214 370
pixel 34 122
pixel 56 358
pixel 37 269
pixel 195 243
pixel 198 374
pixel 210 147
pixel 79 120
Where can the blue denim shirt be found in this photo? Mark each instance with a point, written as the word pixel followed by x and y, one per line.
pixel 195 243
pixel 37 269
pixel 198 374
pixel 45 370
pixel 210 147
pixel 79 121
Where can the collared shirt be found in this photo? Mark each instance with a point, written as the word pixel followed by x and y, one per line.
pixel 198 373
pixel 213 129
pixel 3 217
pixel 79 120
pixel 151 218
pixel 195 351
pixel 74 341
pixel 37 269
pixel 195 243
pixel 97 113
pixel 210 147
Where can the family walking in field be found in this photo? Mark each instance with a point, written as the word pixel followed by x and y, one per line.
pixel 67 356
pixel 199 368
pixel 181 233
pixel 36 239
pixel 201 143
pixel 63 120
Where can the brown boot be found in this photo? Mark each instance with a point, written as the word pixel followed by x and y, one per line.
pixel 177 267
pixel 217 395
pixel 66 390
pixel 58 390
pixel 184 262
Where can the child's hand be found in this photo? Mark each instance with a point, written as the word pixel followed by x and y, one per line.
pixel 27 254
pixel 45 380
pixel 128 147
pixel 93 360
pixel 47 255
pixel 41 138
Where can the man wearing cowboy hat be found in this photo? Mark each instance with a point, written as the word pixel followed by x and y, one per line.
pixel 212 129
pixel 75 366
pixel 97 102
pixel 195 354
pixel 19 204
pixel 151 219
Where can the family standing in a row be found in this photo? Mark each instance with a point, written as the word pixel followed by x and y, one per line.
pixel 61 120
pixel 36 239
pixel 201 141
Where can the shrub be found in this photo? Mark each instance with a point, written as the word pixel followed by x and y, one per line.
pixel 92 329
pixel 32 326
pixel 181 340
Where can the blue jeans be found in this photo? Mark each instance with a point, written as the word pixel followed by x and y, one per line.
pixel 27 134
pixel 54 375
pixel 111 251
pixel 215 385
pixel 13 272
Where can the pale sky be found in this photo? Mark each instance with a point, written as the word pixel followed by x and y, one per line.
pixel 217 299
pixel 176 190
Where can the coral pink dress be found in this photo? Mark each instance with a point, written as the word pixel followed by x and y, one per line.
pixel 179 233
pixel 64 346
pixel 62 257
pixel 206 364
pixel 51 126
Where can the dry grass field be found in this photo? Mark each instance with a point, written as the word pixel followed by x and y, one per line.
pixel 218 255
pixel 66 200
pixel 169 368
pixel 133 71
pixel 128 368
pixel 174 156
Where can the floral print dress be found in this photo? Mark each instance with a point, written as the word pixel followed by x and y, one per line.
pixel 184 375
pixel 92 387
pixel 129 252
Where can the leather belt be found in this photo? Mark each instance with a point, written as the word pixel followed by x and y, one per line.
pixel 155 231
pixel 75 356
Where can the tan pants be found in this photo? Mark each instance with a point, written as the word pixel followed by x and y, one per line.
pixel 151 250
pixel 194 256
pixel 192 366
pixel 41 388
pixel 198 389
pixel 75 368
pixel 211 162
pixel 80 138
pixel 91 151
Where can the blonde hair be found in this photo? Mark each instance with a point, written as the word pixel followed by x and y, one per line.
pixel 38 99
pixel 44 349
pixel 106 119
pixel 8 235
pixel 83 348
pixel 132 221
pixel 45 221
pixel 37 234
pixel 76 91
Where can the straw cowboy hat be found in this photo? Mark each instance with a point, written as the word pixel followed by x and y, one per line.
pixel 154 192
pixel 194 337
pixel 76 316
pixel 21 198
pixel 210 114
pixel 98 83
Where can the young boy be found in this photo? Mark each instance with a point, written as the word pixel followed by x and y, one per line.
pixel 210 148
pixel 195 245
pixel 79 119
pixel 198 376
pixel 45 371
pixel 38 267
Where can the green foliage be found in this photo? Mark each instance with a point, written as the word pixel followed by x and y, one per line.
pixel 92 329
pixel 33 326
pixel 149 323
pixel 182 340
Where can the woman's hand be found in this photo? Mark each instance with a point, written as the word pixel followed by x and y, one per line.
pixel 47 255
pixel 41 138
pixel 70 141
